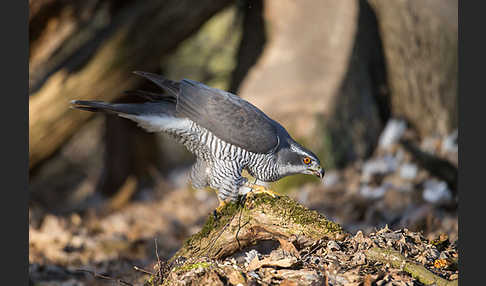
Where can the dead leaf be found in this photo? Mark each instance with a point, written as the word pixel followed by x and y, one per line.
pixel 289 247
pixel 234 276
pixel 283 263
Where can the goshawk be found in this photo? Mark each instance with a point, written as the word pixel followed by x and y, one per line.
pixel 226 133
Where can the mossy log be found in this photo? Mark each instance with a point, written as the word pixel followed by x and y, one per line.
pixel 259 218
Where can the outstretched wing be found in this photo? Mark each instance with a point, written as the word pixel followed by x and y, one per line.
pixel 227 116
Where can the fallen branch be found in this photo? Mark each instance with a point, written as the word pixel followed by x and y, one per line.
pixel 396 260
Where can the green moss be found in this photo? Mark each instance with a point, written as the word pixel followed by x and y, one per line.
pixel 190 266
pixel 213 223
pixel 288 209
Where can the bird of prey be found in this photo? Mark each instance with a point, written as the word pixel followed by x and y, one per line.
pixel 226 133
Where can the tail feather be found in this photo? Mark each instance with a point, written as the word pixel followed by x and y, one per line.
pixel 97 106
pixel 161 108
pixel 169 86
pixel 152 116
pixel 94 106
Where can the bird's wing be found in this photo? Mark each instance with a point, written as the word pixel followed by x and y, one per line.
pixel 229 117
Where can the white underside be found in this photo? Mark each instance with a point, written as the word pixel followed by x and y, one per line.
pixel 156 123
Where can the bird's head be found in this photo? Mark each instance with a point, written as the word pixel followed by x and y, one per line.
pixel 295 159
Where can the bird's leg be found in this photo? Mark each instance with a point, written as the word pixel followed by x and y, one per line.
pixel 258 189
pixel 222 204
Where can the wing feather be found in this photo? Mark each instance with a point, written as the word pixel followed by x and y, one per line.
pixel 228 116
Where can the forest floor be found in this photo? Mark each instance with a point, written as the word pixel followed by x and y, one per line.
pixel 392 199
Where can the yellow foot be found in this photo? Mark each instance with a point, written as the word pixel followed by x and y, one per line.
pixel 218 210
pixel 222 204
pixel 257 189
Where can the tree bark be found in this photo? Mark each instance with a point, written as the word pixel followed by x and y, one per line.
pixel 361 106
pixel 96 63
pixel 420 44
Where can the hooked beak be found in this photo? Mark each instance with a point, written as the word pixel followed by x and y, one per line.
pixel 319 172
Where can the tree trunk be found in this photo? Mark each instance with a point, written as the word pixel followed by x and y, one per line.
pixel 361 105
pixel 252 41
pixel 96 63
pixel 420 44
pixel 129 150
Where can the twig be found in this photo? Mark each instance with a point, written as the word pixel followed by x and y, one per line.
pixel 102 276
pixel 158 258
pixel 142 270
pixel 239 224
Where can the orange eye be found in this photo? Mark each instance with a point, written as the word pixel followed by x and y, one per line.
pixel 306 160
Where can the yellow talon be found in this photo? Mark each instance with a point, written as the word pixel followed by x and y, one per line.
pixel 222 204
pixel 218 210
pixel 257 189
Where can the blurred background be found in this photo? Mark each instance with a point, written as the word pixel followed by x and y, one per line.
pixel 369 86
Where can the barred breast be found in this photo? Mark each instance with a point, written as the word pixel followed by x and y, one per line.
pixel 206 146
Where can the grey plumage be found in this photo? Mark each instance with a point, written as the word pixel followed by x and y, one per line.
pixel 226 133
pixel 229 117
